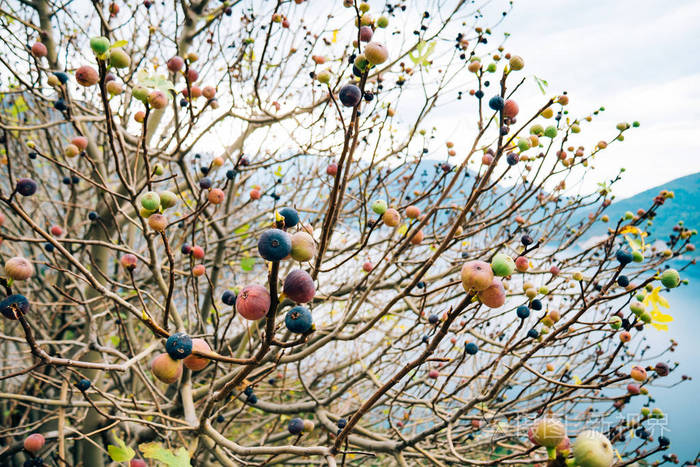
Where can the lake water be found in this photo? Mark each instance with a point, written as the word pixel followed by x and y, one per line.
pixel 681 403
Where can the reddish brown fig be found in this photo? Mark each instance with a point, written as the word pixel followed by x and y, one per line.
pixel 194 362
pixel 39 50
pixel 80 142
pixel 86 76
pixel 299 286
pixel 253 302
pixel 391 217
pixel 495 295
pixel 216 196
pixel 157 222
pixel 412 212
pixel 34 442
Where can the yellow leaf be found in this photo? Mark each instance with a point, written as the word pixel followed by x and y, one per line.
pixel 335 36
pixel 577 380
pixel 660 327
pixel 662 318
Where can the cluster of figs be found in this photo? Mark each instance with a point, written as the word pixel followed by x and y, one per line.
pixel 253 301
pixel 590 449
pixel 114 56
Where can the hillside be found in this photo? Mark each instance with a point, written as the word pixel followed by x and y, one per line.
pixel 684 206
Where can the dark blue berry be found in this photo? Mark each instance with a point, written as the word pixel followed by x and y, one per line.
pixel 296 426
pixel 228 297
pixel 536 305
pixel 298 320
pixel 291 216
pixel 205 183
pixel 623 281
pixel 350 95
pixel 230 174
pixel 496 103
pixel 523 312
pixel 93 216
pixel 623 257
pixel 178 345
pixel 274 245
pixel 433 319
pixel 471 348
pixel 479 94
pixel 532 333
pixel 83 384
pixel 49 247
pixel 342 423
pixel 26 186
pixel 13 306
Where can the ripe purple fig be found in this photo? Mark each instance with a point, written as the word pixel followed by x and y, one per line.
pixel 166 369
pixel 476 275
pixel 19 268
pixel 175 64
pixel 299 286
pixel 366 34
pixel 253 302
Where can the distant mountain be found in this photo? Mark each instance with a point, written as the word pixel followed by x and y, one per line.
pixel 685 206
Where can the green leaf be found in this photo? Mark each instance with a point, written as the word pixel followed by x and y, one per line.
pixel 121 43
pixel 242 229
pixel 541 84
pixel 115 340
pixel 121 453
pixel 156 451
pixel 420 55
pixel 247 263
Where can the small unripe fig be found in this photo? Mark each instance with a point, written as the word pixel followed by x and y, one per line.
pixel 118 58
pixel 548 432
pixel 99 44
pixel 303 246
pixel 502 265
pixel 71 151
pixel 128 261
pixel 592 449
pixel 379 206
pixel 168 199
pixel 376 53
pixel 19 268
pixel 166 369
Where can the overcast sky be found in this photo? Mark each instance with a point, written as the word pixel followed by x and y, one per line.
pixel 638 58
